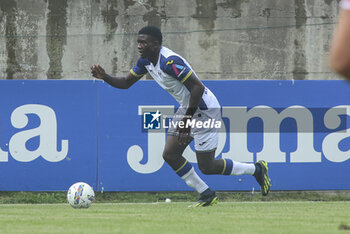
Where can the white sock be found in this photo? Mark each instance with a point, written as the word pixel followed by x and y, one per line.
pixel 242 168
pixel 194 181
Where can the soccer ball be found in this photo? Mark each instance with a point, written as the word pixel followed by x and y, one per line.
pixel 80 195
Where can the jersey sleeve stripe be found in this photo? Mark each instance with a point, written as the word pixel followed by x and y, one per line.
pixel 136 75
pixel 186 77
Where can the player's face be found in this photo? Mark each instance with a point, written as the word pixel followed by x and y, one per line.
pixel 146 46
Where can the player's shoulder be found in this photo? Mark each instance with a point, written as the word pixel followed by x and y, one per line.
pixel 141 62
pixel 168 54
pixel 169 57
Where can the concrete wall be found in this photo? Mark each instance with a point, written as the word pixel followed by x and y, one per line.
pixel 222 39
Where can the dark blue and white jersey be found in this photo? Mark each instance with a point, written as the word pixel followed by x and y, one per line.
pixel 170 72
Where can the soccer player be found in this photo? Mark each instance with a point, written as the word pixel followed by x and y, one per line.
pixel 175 75
pixel 340 49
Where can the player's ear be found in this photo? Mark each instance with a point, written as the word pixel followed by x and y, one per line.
pixel 156 43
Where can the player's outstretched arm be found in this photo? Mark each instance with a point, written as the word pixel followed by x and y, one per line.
pixel 117 82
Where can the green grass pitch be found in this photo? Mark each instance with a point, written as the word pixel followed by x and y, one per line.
pixel 176 217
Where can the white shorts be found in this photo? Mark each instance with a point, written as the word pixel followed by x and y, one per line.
pixel 205 138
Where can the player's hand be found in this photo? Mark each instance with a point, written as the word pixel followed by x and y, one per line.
pixel 97 71
pixel 184 137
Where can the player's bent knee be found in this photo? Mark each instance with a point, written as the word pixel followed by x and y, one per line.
pixel 207 169
pixel 168 157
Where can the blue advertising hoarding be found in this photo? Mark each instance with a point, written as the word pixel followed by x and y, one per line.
pixel 47 134
pixel 55 133
pixel 305 146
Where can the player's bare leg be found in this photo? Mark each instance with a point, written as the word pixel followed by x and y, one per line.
pixel 173 151
pixel 173 156
pixel 208 164
pixel 211 166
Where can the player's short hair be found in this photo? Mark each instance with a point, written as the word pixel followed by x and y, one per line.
pixel 152 31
